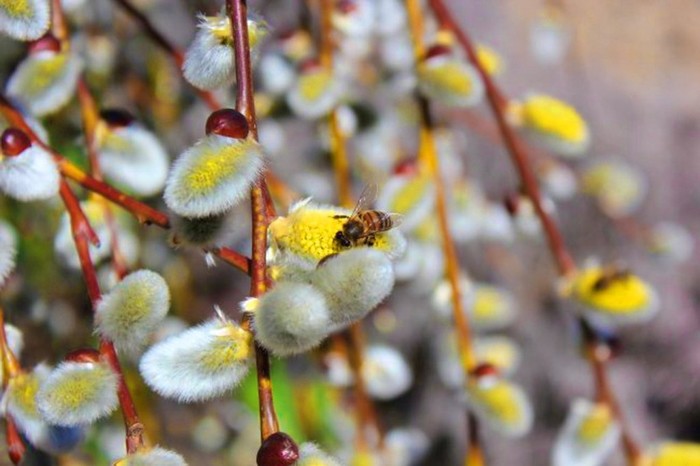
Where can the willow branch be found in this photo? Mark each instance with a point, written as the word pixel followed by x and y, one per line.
pixel 260 209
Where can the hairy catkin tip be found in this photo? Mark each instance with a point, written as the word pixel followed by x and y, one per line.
pixel 78 393
pixel 588 436
pixel 152 457
pixel 45 81
pixel 501 404
pixel 200 363
pixel 213 176
pixel 8 250
pixel 29 176
pixel 25 19
pixel 291 318
pixel 353 283
pixel 316 92
pixel 133 310
pixel 311 455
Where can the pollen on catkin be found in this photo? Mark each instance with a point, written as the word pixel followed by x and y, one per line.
pixel 132 310
pixel 77 393
pixel 200 363
pixel 308 232
pixel 132 157
pixel 209 60
pixel 588 436
pixel 354 282
pixel 45 81
pixel 412 196
pixel 316 92
pixel 152 457
pixel 554 123
pixel 20 397
pixel 24 19
pixel 489 307
pixel 676 453
pixel 30 176
pixel 8 250
pixel 311 455
pixel 450 81
pixel 212 176
pixel 291 318
pixel 501 404
pixel 613 294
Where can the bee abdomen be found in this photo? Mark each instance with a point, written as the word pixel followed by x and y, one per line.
pixel 376 220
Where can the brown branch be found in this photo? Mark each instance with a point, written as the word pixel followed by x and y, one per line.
pixel 79 225
pixel 261 210
pixel 233 258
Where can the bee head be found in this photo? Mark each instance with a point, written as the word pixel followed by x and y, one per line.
pixel 343 240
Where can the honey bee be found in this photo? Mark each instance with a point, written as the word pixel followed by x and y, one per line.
pixel 363 224
pixel 610 275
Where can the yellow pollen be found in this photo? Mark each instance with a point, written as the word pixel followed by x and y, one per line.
pixel 213 166
pixel 17 8
pixel 45 72
pixel 449 76
pixel 232 345
pixel 314 85
pixel 22 392
pixel 551 116
pixel 488 303
pixel 410 194
pixel 79 388
pixel 498 400
pixel 489 59
pixel 595 424
pixel 624 294
pixel 678 454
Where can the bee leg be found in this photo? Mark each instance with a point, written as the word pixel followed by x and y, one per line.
pixel 340 216
pixel 370 240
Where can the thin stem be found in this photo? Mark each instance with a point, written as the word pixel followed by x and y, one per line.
pixel 234 258
pixel 79 225
pixel 427 155
pixel 15 445
pixel 565 263
pixel 261 211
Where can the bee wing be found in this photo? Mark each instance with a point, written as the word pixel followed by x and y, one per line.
pixel 369 193
pixel 396 219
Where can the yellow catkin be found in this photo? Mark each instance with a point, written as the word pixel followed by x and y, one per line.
pixel 552 116
pixel 488 303
pixel 233 344
pixel 45 72
pixel 313 85
pixel 499 401
pixel 489 59
pixel 22 392
pixel 214 166
pixel 595 424
pixel 678 454
pixel 17 8
pixel 73 392
pixel 624 294
pixel 449 76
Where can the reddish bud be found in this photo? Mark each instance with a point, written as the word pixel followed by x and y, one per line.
pixel 309 65
pixel 347 6
pixel 228 122
pixel 46 42
pixel 279 449
pixel 83 355
pixel 512 204
pixel 117 117
pixel 437 50
pixel 484 370
pixel 406 167
pixel 14 141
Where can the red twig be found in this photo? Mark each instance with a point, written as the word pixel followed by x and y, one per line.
pixel 79 227
pixel 234 258
pixel 260 209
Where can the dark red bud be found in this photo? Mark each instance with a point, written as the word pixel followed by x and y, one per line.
pixel 512 204
pixel 228 122
pixel 309 65
pixel 84 355
pixel 286 34
pixel 406 167
pixel 117 117
pixel 46 42
pixel 484 369
pixel 279 449
pixel 437 50
pixel 14 141
pixel 347 6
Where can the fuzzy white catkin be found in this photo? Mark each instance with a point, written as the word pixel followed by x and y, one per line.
pixel 77 393
pixel 326 95
pixel 29 176
pixel 132 310
pixel 291 318
pixel 571 450
pixel 209 63
pixel 28 26
pixel 386 372
pixel 154 457
pixel 19 397
pixel 354 282
pixel 213 176
pixel 312 455
pixel 133 157
pixel 435 88
pixel 198 364
pixel 58 74
pixel 8 250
